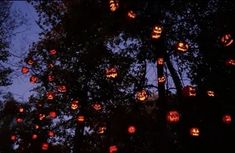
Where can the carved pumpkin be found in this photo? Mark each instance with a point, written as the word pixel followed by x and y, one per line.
pixel 210 93
pixel 111 73
pixel 62 88
pixel 74 105
pixel 36 126
pixel 33 79
pixel 156 32
pixel 160 61
pixel 227 119
pixel 30 61
pixel 24 70
pixel 230 62
pixel 173 117
pixel 113 149
pixel 34 136
pixel 189 91
pixel 21 109
pixel 131 14
pixel 97 106
pixel 141 95
pixel 226 40
pixel 41 116
pixel 52 114
pixel 195 132
pixel 50 78
pixel 52 52
pixel 101 129
pixel 51 134
pixel 50 95
pixel 182 46
pixel 113 5
pixel 45 146
pixel 13 137
pixel 81 118
pixel 161 79
pixel 131 129
pixel 19 120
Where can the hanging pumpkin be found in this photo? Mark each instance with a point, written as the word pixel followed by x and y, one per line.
pixel 45 146
pixel 30 61
pixel 50 95
pixel 24 70
pixel 210 93
pixel 13 137
pixel 156 32
pixel 97 106
pixel 21 109
pixel 111 73
pixel 131 129
pixel 52 114
pixel 33 79
pixel 226 40
pixel 141 95
pixel 113 5
pixel 230 62
pixel 189 91
pixel 113 149
pixel 19 120
pixel 36 126
pixel 34 136
pixel 160 61
pixel 52 52
pixel 81 118
pixel 227 119
pixel 182 46
pixel 41 116
pixel 51 134
pixel 74 105
pixel 195 132
pixel 161 79
pixel 62 88
pixel 101 129
pixel 173 117
pixel 131 14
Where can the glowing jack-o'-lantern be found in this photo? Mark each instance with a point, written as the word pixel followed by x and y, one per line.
pixel 50 95
pixel 24 70
pixel 173 117
pixel 74 104
pixel 21 109
pixel 62 88
pixel 161 79
pixel 52 52
pixel 211 93
pixel 41 116
pixel 101 129
pixel 160 61
pixel 113 149
pixel 45 146
pixel 111 72
pixel 131 14
pixel 227 119
pixel 113 5
pixel 19 120
pixel 141 95
pixel 52 114
pixel 34 136
pixel 81 118
pixel 97 106
pixel 195 132
pixel 50 133
pixel 36 126
pixel 230 62
pixel 189 91
pixel 182 46
pixel 131 129
pixel 226 40
pixel 33 79
pixel 50 77
pixel 30 61
pixel 13 137
pixel 156 32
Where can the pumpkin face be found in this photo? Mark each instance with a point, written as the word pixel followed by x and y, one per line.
pixel 230 62
pixel 101 129
pixel 45 146
pixel 156 32
pixel 160 61
pixel 210 93
pixel 24 70
pixel 182 46
pixel 36 126
pixel 227 119
pixel 13 137
pixel 81 118
pixel 74 104
pixel 189 91
pixel 41 116
pixel 50 95
pixel 111 73
pixel 50 77
pixel 113 5
pixel 141 95
pixel 161 79
pixel 34 136
pixel 33 79
pixel 19 120
pixel 173 117
pixel 131 129
pixel 97 106
pixel 113 149
pixel 62 88
pixel 30 61
pixel 51 134
pixel 195 132
pixel 21 109
pixel 226 40
pixel 52 52
pixel 52 114
pixel 131 14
